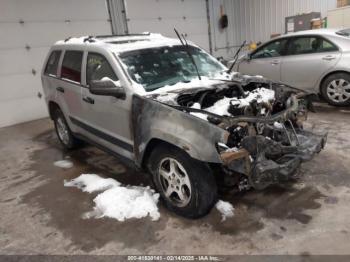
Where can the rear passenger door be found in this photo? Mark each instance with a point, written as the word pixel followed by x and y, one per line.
pixel 307 59
pixel 70 88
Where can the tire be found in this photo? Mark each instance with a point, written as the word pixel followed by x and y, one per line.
pixel 335 89
pixel 197 186
pixel 63 131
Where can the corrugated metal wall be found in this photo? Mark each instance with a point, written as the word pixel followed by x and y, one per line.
pixel 256 20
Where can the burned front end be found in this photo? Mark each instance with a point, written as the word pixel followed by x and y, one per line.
pixel 265 140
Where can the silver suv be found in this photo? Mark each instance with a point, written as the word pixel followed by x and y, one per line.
pixel 169 108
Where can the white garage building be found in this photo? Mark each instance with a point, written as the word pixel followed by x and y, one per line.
pixel 29 27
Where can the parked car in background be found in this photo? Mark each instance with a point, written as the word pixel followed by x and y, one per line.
pixel 316 60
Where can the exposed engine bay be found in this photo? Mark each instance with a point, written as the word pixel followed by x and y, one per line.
pixel 266 141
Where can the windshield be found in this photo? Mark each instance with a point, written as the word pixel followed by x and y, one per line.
pixel 158 67
pixel 345 32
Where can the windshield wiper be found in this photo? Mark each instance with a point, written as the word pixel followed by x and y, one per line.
pixel 185 44
pixel 235 58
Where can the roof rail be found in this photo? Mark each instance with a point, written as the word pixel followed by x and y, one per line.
pixel 89 39
pixel 110 36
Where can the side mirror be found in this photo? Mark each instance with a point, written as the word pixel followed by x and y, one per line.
pixel 106 87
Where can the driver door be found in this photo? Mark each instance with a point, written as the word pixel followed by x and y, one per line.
pixel 106 118
pixel 265 61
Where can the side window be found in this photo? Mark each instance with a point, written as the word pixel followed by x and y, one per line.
pixel 274 49
pixel 71 65
pixel 97 68
pixel 310 45
pixel 52 63
pixel 327 46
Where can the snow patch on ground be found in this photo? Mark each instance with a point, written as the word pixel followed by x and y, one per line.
pixel 117 201
pixel 66 164
pixel 225 208
pixel 92 183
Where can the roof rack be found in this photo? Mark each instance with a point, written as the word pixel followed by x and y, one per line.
pixel 110 36
pixel 89 39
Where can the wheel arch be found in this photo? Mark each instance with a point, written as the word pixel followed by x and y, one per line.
pixel 152 145
pixel 329 74
pixel 53 106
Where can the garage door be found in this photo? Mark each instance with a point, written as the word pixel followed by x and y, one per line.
pixel 28 28
pixel 161 16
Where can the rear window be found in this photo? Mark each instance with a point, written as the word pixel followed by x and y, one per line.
pixel 52 63
pixel 71 65
pixel 345 32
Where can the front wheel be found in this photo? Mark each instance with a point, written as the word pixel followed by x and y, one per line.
pixel 187 186
pixel 335 89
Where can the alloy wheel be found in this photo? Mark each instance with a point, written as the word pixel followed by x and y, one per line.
pixel 338 90
pixel 174 182
pixel 62 130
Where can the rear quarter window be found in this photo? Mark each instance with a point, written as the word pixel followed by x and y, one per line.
pixel 52 63
pixel 71 65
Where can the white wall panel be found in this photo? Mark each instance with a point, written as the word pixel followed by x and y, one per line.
pixel 52 10
pixel 39 34
pixel 43 22
pixel 20 90
pixel 25 60
pixel 162 16
pixel 21 110
pixel 256 20
pixel 339 18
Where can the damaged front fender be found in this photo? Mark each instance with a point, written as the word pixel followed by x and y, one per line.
pixel 154 120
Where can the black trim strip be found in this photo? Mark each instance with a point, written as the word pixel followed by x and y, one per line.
pixel 104 136
pixel 127 161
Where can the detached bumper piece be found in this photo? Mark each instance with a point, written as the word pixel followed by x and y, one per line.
pixel 272 162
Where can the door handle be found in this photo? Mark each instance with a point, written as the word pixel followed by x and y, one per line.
pixel 276 62
pixel 60 89
pixel 89 100
pixel 328 58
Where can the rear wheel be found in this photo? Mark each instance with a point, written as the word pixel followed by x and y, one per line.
pixel 187 186
pixel 63 131
pixel 335 89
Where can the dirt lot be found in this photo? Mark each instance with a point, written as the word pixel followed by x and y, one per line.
pixel 41 216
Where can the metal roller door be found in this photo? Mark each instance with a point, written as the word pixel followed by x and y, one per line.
pixel 28 28
pixel 161 16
